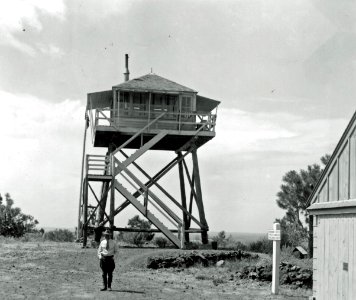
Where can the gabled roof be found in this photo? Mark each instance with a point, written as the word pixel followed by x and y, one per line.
pixel 153 82
pixel 301 250
pixel 348 131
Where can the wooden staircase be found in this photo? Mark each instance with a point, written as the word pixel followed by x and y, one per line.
pixel 121 168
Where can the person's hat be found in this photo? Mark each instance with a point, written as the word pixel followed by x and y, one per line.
pixel 107 232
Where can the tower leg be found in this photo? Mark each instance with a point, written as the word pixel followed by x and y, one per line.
pixel 112 194
pixel 85 212
pixel 80 211
pixel 183 196
pixel 199 200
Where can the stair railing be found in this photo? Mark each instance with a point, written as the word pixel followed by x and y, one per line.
pixel 137 134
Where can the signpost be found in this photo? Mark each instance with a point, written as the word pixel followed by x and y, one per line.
pixel 275 236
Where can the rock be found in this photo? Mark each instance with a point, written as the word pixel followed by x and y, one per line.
pixel 298 283
pixel 294 268
pixel 220 263
pixel 265 275
pixel 252 275
pixel 284 279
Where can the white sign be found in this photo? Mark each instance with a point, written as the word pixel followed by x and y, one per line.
pixel 274 235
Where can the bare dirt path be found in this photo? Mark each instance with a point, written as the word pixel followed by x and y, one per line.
pixel 66 271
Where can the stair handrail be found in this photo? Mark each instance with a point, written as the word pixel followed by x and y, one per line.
pixel 138 133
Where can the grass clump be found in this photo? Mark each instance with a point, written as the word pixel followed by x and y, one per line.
pixel 59 235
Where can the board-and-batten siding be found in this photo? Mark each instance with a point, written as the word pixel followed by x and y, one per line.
pixel 336 241
pixel 340 181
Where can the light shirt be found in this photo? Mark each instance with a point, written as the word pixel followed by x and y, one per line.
pixel 102 251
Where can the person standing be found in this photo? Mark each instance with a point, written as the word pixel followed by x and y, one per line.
pixel 106 252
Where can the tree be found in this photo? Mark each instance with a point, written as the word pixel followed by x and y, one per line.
pixel 293 197
pixel 221 238
pixel 137 238
pixel 12 221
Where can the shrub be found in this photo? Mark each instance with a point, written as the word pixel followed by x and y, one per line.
pixel 59 235
pixel 12 221
pixel 221 239
pixel 161 242
pixel 192 245
pixel 137 238
pixel 261 246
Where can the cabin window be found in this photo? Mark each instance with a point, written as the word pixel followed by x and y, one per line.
pixel 164 103
pixel 186 104
pixel 172 106
pixel 157 103
pixel 139 104
pixel 124 104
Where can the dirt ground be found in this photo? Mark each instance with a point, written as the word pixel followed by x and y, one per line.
pixel 49 270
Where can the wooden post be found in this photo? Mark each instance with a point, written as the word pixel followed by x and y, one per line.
pixel 182 241
pixel 199 200
pixel 183 195
pixel 85 212
pixel 112 195
pixel 276 260
pixel 79 228
pixel 311 237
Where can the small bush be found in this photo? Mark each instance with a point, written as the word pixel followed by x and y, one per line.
pixel 160 242
pixel 261 246
pixel 59 235
pixel 192 245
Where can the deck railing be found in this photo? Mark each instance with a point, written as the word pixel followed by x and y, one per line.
pixel 98 165
pixel 184 121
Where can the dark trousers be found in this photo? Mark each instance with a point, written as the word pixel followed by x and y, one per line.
pixel 107 265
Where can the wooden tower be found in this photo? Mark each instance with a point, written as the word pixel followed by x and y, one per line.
pixel 146 113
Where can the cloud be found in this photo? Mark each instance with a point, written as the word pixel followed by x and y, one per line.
pixel 241 131
pixel 17 15
pixel 41 154
pixel 50 50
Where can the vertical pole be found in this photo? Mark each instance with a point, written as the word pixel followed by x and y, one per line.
pixel 79 233
pixel 311 236
pixel 183 195
pixel 191 200
pixel 182 241
pixel 85 212
pixel 276 261
pixel 112 196
pixel 199 200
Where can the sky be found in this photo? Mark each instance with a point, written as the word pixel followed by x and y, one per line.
pixel 284 72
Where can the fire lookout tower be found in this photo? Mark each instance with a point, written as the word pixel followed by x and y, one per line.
pixel 145 113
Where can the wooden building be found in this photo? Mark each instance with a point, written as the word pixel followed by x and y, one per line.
pixel 333 211
pixel 300 252
pixel 146 113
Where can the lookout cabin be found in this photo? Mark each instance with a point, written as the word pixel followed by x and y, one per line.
pixel 151 103
pixel 333 214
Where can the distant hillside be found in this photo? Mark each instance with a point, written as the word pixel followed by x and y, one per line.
pixel 243 237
